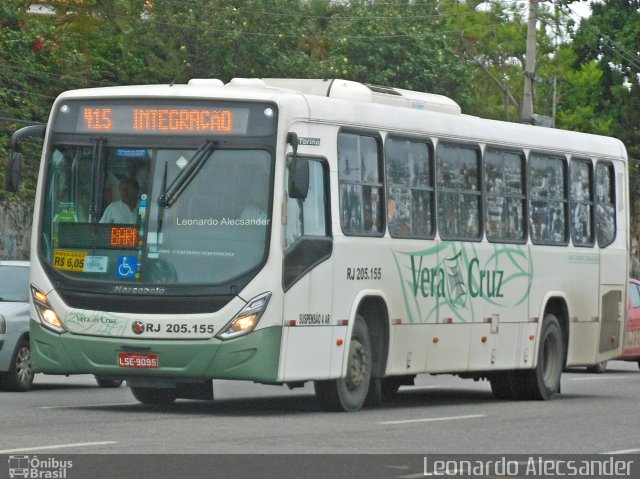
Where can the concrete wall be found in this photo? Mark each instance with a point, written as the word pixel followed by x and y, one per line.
pixel 15 231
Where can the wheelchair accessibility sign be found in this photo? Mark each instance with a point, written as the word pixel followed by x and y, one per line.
pixel 127 267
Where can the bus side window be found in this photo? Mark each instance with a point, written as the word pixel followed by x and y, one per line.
pixel 410 192
pixel 308 217
pixel 458 190
pixel 308 229
pixel 605 204
pixel 547 199
pixel 360 177
pixel 505 195
pixel 581 189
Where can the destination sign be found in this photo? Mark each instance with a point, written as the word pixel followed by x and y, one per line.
pixel 165 117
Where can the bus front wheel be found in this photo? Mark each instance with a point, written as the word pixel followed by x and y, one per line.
pixel 154 396
pixel 350 392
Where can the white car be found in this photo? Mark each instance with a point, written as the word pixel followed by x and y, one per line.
pixel 16 373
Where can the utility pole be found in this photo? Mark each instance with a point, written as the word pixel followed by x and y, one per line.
pixel 526 115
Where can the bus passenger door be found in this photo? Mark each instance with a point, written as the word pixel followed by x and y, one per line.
pixel 613 258
pixel 309 348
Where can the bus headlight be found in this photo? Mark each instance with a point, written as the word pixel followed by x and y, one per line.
pixel 246 320
pixel 47 315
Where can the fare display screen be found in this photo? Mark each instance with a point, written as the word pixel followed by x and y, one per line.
pixel 163 117
pixel 124 237
pixel 99 236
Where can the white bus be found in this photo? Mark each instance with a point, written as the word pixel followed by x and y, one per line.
pixel 284 231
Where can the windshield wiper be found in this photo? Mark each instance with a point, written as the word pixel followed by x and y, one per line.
pixel 182 180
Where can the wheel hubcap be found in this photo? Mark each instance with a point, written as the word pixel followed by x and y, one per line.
pixel 24 373
pixel 358 365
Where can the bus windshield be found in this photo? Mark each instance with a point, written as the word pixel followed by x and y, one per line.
pixel 102 221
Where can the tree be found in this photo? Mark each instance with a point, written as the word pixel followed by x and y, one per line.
pixel 610 38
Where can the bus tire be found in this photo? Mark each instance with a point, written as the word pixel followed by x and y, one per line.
pixel 390 386
pixel 502 385
pixel 154 396
pixel 543 381
pixel 108 383
pixel 382 390
pixel 20 375
pixel 350 392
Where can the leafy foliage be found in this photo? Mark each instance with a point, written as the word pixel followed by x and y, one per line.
pixel 470 51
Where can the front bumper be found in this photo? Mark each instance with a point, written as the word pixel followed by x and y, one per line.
pixel 253 357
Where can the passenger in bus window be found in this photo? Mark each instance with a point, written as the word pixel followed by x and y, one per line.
pixel 538 223
pixel 557 226
pixel 397 224
pixel 124 210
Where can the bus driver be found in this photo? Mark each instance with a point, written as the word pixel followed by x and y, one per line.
pixel 124 210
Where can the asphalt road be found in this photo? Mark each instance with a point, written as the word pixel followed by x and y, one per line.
pixel 596 413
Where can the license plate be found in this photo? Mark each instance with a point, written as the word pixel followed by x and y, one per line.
pixel 68 260
pixel 138 360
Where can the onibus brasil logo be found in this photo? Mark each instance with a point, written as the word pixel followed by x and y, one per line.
pixel 456 277
pixel 38 468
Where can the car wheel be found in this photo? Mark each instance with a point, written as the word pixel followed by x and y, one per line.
pixel 108 383
pixel 20 374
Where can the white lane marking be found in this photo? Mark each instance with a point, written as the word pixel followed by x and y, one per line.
pixel 432 419
pixel 622 451
pixel 89 405
pixel 57 446
pixel 596 378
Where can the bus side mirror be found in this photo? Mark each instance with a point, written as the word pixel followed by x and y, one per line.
pixel 13 171
pixel 299 179
pixel 298 171
pixel 14 165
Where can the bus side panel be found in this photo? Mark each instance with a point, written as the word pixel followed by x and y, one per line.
pixel 309 348
pixel 407 351
pixel 494 348
pixel 448 348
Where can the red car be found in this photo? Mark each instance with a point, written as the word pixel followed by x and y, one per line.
pixel 631 350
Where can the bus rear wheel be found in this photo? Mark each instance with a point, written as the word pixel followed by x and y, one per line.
pixel 108 383
pixel 503 385
pixel 543 382
pixel 350 392
pixel 154 396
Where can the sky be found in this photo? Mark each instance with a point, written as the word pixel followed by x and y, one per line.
pixel 581 9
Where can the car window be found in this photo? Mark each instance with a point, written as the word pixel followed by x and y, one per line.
pixel 14 283
pixel 634 295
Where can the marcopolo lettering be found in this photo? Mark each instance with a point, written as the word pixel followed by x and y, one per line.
pixel 139 290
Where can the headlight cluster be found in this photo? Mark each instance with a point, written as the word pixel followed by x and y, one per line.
pixel 246 320
pixel 47 315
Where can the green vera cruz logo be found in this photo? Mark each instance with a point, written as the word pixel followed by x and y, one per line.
pixel 457 277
